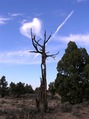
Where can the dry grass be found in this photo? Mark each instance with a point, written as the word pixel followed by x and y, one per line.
pixel 24 108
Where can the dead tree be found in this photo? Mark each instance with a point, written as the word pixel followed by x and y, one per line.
pixel 41 49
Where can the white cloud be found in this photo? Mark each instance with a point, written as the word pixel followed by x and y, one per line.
pixel 17 57
pixel 35 24
pixel 81 1
pixel 21 57
pixel 3 20
pixel 18 53
pixel 15 14
pixel 82 39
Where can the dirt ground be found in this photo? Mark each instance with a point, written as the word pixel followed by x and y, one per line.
pixel 24 108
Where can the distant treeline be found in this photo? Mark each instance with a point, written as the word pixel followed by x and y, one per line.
pixel 14 89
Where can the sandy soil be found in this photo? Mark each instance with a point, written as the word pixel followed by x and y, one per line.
pixel 24 108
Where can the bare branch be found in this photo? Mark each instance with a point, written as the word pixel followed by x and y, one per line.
pixel 34 52
pixel 53 55
pixel 34 41
pixel 35 45
pixel 45 36
pixel 47 52
pixel 31 34
pixel 36 49
pixel 37 42
pixel 48 39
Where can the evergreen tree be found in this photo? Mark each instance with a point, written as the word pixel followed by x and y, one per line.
pixel 52 88
pixel 20 89
pixel 12 88
pixel 28 89
pixel 3 86
pixel 73 75
pixel 17 89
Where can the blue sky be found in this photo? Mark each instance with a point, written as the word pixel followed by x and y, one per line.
pixel 67 20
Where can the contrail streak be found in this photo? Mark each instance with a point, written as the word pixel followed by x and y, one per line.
pixel 59 27
pixel 36 55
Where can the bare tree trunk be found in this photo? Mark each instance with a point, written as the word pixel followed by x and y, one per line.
pixel 44 82
pixel 41 50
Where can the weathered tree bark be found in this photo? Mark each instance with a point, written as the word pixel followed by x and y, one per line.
pixel 41 50
pixel 44 81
